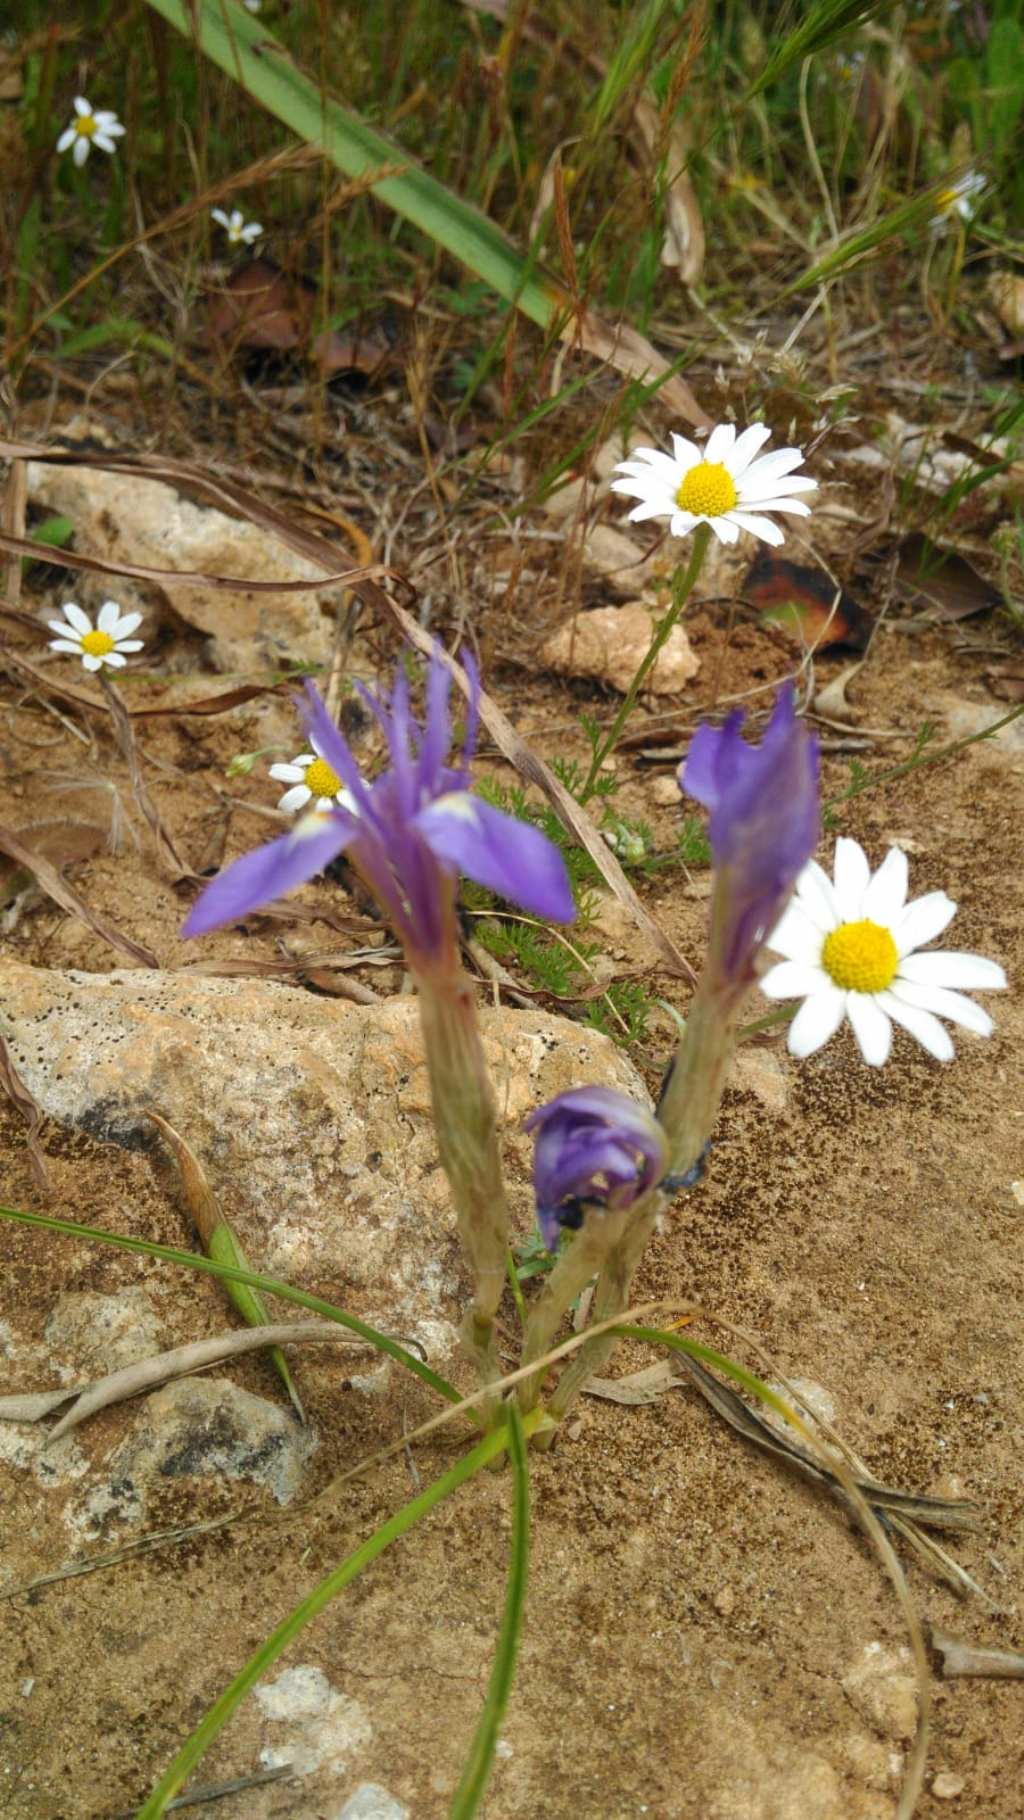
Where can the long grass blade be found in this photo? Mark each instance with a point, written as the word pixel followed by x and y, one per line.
pixel 262 1659
pixel 821 26
pixel 480 1761
pixel 191 1260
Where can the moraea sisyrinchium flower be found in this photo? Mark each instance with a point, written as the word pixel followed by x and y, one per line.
pixel 408 833
pixel 764 826
pixel 592 1144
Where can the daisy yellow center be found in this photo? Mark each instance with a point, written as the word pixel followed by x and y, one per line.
pixel 707 490
pixel 946 200
pixel 860 957
pixel 97 644
pixel 321 780
pixel 85 127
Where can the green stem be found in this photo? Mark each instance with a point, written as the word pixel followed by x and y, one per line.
pixel 263 1658
pixel 693 1090
pixel 683 583
pixel 611 1297
pixel 578 1265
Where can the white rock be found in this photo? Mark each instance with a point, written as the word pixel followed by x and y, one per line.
pixel 324 1726
pixel 609 644
pixel 882 1690
pixel 946 1786
pixel 125 516
pixel 102 1333
pixel 310 1115
pixel 371 1802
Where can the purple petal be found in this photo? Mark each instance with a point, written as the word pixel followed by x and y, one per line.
pixel 330 742
pixel 592 1144
pixel 260 877
pixel 505 855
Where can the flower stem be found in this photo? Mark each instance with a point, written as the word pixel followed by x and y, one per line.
pixel 466 1121
pixel 683 583
pixel 693 1088
pixel 578 1265
pixel 611 1297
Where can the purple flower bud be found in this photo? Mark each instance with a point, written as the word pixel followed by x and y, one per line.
pixel 764 825
pixel 409 832
pixel 592 1144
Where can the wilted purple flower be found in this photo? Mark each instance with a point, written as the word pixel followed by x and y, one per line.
pixel 409 832
pixel 764 825
pixel 592 1144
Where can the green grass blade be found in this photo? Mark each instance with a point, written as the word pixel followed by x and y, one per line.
pixel 480 1761
pixel 824 23
pixel 678 1342
pixel 191 1260
pixel 333 1583
pixel 223 1245
pixel 229 36
pixel 865 241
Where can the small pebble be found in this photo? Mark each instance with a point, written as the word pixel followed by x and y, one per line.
pixel 1017 1191
pixel 725 1601
pixel 946 1786
pixel 27 1686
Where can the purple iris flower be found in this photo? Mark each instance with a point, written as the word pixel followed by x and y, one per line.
pixel 409 832
pixel 764 826
pixel 592 1144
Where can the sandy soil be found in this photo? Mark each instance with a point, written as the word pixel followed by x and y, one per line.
pixel 694 1610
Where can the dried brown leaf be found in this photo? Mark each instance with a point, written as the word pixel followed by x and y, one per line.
pixel 166 849
pixel 24 1103
pixel 49 880
pixel 183 695
pixel 683 246
pixel 960 1658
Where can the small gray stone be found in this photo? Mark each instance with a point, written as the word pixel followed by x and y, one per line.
pixel 101 1333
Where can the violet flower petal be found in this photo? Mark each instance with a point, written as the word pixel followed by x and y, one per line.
pixel 505 855
pixel 592 1144
pixel 260 877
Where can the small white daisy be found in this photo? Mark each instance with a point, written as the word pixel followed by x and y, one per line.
pixel 721 485
pixel 313 781
pixel 961 199
pixel 252 6
pixel 851 946
pixel 90 128
pixel 236 227
pixel 102 646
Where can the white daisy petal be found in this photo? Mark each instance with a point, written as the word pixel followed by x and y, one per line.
pixel 952 1005
pixel 887 893
pixel 758 527
pixel 130 644
pixel 64 644
pixel 794 979
pixel 923 920
pixel 75 617
pixel 852 875
pixel 817 897
pixel 220 218
pixel 795 936
pixel 104 143
pixel 109 614
pixel 81 107
pixel 125 625
pixel 686 453
pixel 745 448
pixel 81 151
pixel 779 462
pixel 923 1027
pixel 66 139
pixel 818 1018
pixel 720 442
pixel 938 968
pixel 795 506
pixel 649 508
pixel 724 528
pixel 776 486
pixel 92 663
pixel 682 524
pixel 59 626
pixel 871 1027
pixel 295 798
pixel 288 774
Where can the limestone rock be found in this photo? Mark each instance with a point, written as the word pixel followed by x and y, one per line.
pixel 323 1726
pixel 371 1802
pixel 199 1428
pixel 127 517
pixel 101 1333
pixel 880 1686
pixel 609 644
pixel 311 1116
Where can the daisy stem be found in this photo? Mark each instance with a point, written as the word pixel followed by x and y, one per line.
pixel 124 733
pixel 683 583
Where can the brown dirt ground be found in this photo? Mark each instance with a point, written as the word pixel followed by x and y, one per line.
pixel 692 1607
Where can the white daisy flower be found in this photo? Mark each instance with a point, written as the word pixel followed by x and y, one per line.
pixel 852 950
pixel 721 485
pixel 236 227
pixel 90 128
pixel 106 644
pixel 252 6
pixel 961 199
pixel 313 781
